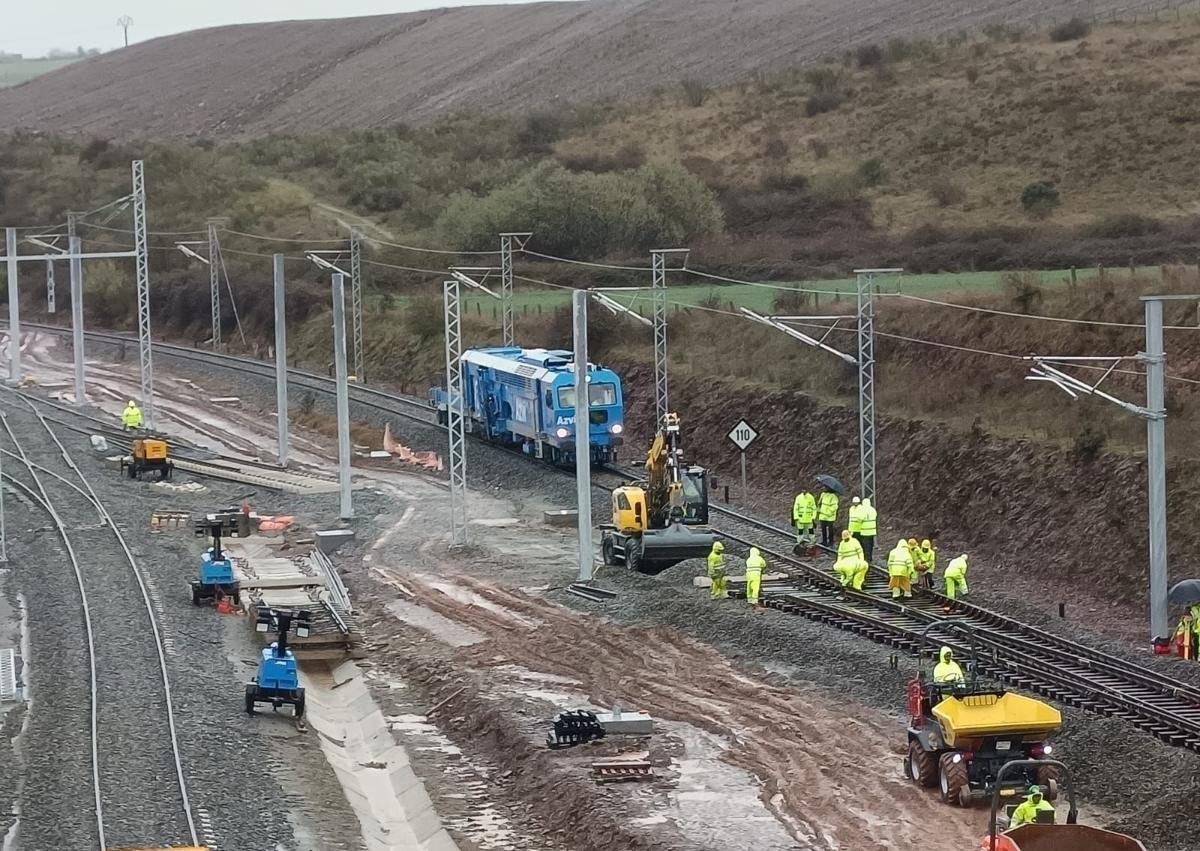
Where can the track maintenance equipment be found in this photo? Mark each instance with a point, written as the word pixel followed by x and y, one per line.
pixel 149 455
pixel 962 735
pixel 278 680
pixel 1047 835
pixel 217 579
pixel 664 520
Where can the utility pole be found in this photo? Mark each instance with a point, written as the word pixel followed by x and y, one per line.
pixel 658 258
pixel 583 437
pixel 1155 358
pixel 76 248
pixel 343 393
pixel 281 389
pixel 214 281
pixel 14 308
pixel 506 281
pixel 125 22
pixel 455 427
pixel 145 353
pixel 356 303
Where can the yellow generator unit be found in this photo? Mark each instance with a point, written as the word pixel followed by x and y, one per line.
pixel 149 455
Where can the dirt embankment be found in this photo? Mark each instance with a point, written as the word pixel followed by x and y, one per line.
pixel 1036 518
pixel 233 82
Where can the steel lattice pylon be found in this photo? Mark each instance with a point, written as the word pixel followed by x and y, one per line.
pixel 356 304
pixel 214 282
pixel 455 426
pixel 145 356
pixel 506 282
pixel 658 259
pixel 866 384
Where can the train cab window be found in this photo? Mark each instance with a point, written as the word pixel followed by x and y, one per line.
pixel 599 396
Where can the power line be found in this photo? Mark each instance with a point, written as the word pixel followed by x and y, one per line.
pixel 574 262
pixel 1009 313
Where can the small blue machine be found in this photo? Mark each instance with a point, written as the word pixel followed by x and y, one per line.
pixel 526 398
pixel 278 680
pixel 216 569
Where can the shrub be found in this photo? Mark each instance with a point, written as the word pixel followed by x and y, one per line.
pixel 628 156
pixel 1089 443
pixel 425 317
pixel 1003 32
pixel 819 147
pixel 538 131
pixel 825 78
pixel 1121 225
pixel 776 149
pixel 1070 30
pixel 790 302
pixel 1040 198
pixel 869 56
pixel 1024 290
pixel 972 74
pixel 871 172
pixel 93 149
pixel 695 93
pixel 823 102
pixel 946 193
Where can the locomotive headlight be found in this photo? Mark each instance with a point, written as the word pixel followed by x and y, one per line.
pixel 562 434
pixel 617 428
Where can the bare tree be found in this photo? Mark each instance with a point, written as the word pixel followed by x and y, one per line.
pixel 125 22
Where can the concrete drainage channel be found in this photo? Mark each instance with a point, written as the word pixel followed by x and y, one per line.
pixel 390 801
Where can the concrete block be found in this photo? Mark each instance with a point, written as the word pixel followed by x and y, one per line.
pixel 330 540
pixel 561 517
pixel 619 723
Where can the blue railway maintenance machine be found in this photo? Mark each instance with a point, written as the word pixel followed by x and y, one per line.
pixel 216 578
pixel 526 398
pixel 278 680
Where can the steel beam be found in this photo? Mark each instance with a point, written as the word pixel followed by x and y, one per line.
pixel 214 282
pixel 1156 466
pixel 145 350
pixel 356 301
pixel 455 425
pixel 281 388
pixel 583 437
pixel 77 320
pixel 14 307
pixel 866 385
pixel 343 394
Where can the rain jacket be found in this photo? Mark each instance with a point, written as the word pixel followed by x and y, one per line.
pixel 899 562
pixel 870 517
pixel 947 670
pixel 131 417
pixel 804 510
pixel 827 511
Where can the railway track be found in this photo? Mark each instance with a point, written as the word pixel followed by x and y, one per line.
pixel 114 675
pixel 1018 654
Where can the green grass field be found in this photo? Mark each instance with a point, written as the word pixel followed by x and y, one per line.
pixel 761 298
pixel 14 71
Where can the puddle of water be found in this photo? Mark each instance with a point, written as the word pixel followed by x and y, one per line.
pixel 440 627
pixel 465 595
pixel 718 801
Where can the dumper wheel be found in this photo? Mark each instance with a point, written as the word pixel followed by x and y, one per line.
pixel 953 778
pixel 921 766
pixel 608 551
pixel 195 594
pixel 1046 773
pixel 251 693
pixel 633 556
pixel 1050 786
pixel 298 706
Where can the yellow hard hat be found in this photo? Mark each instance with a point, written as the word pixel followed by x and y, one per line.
pixel 912 542
pixel 925 544
pixel 845 534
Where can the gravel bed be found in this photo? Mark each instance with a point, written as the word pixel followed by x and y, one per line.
pixel 253 783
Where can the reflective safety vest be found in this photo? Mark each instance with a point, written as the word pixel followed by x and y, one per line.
pixel 924 560
pixel 848 549
pixel 869 520
pixel 900 563
pixel 957 568
pixel 804 509
pixel 756 563
pixel 716 564
pixel 854 519
pixel 828 510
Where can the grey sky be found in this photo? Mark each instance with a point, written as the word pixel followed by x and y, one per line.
pixel 35 28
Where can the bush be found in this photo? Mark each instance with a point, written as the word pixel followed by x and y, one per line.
pixel 869 56
pixel 823 102
pixel 1122 225
pixel 972 74
pixel 826 78
pixel 425 317
pixel 1024 290
pixel 1089 443
pixel 587 214
pixel 819 147
pixel 1003 32
pixel 1070 30
pixel 871 172
pixel 776 149
pixel 695 93
pixel 946 193
pixel 1040 198
pixel 628 156
pixel 790 302
pixel 538 131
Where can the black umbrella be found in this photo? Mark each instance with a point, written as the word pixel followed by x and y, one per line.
pixel 1185 592
pixel 831 483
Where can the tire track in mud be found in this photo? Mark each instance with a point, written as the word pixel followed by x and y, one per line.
pixel 832 779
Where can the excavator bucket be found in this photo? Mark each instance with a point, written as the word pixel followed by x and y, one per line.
pixel 664 548
pixel 1061 837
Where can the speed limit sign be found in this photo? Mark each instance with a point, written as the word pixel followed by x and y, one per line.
pixel 743 435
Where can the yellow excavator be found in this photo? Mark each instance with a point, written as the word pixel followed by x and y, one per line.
pixel 659 522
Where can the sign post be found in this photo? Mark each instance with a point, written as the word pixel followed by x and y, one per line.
pixel 742 435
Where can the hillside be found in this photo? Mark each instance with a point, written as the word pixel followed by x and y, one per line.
pixel 241 81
